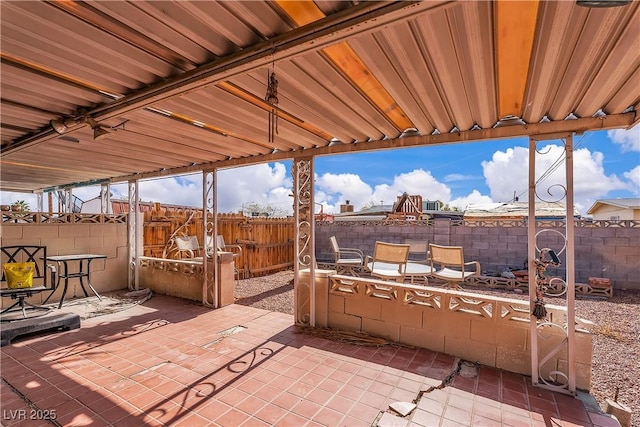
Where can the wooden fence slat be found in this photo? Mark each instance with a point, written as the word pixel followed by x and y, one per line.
pixel 267 244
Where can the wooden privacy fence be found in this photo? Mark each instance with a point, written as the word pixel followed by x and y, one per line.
pixel 267 243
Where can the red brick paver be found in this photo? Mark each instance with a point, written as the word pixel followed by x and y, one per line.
pixel 175 363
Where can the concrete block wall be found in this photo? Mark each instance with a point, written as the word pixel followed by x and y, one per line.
pixel 608 252
pixel 65 239
pixel 109 275
pixel 444 321
pixel 183 279
pixel 364 236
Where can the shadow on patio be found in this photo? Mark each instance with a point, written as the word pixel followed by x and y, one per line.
pixel 171 362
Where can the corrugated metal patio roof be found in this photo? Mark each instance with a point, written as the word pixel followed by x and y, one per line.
pixel 180 86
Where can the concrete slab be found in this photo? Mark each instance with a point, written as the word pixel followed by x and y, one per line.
pixel 57 321
pixel 390 420
pixel 403 408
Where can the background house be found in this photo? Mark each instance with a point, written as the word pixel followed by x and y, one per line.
pixel 615 209
pixel 413 208
pixel 517 210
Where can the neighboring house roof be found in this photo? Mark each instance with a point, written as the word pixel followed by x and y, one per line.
pixel 629 203
pixel 122 206
pixel 516 210
pixel 444 214
pixel 371 210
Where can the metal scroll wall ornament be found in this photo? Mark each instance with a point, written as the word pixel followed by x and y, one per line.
pixel 552 336
pixel 304 285
pixel 272 99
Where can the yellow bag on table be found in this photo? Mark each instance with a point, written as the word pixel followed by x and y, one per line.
pixel 19 275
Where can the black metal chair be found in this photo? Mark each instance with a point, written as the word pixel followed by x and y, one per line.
pixel 43 278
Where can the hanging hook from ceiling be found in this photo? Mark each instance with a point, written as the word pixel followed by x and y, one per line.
pixel 272 98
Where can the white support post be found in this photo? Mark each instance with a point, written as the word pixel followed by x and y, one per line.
pixel 133 236
pixel 531 256
pixel 304 237
pixel 210 231
pixel 40 201
pixel 105 199
pixel 561 379
pixel 570 268
pixel 68 194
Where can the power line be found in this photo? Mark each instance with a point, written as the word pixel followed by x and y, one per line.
pixel 555 165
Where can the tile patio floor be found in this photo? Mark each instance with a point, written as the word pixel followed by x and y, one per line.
pixel 170 362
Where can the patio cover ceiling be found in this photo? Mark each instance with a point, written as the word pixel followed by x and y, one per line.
pixel 180 86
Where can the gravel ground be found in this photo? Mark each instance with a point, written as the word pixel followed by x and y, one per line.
pixel 273 292
pixel 616 344
pixel 616 333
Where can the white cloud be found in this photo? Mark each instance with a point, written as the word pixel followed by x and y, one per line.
pixel 475 197
pixel 634 179
pixel 9 197
pixel 507 173
pixel 332 190
pixel 271 184
pixel 457 177
pixel 629 140
pixel 264 184
pixel 415 182
pixel 183 190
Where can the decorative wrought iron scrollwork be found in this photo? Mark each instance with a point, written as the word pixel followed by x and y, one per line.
pixel 550 190
pixel 556 379
pixel 170 247
pixel 547 286
pixel 303 199
pixel 304 301
pixel 555 197
pixel 304 239
pixel 303 208
pixel 209 269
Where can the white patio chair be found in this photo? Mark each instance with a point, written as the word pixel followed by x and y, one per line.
pixel 418 265
pixel 187 247
pixel 347 260
pixel 389 261
pixel 448 264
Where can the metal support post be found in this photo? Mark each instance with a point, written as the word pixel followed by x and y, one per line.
pixel 304 240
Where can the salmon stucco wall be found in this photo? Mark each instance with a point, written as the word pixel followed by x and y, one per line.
pixel 66 239
pixel 184 278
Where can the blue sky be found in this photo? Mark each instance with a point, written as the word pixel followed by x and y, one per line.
pixel 606 165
